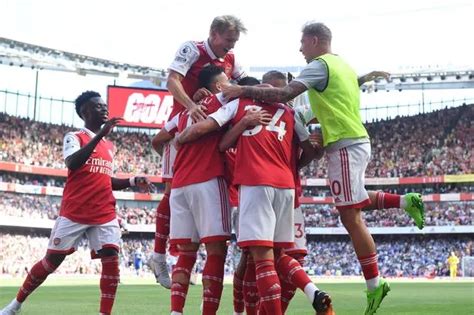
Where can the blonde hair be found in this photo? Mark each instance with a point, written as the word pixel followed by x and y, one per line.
pixel 321 31
pixel 222 23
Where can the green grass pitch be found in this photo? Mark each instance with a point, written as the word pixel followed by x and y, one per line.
pixel 142 297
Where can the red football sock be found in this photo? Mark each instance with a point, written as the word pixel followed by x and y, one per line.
pixel 179 291
pixel 288 291
pixel 300 258
pixel 38 273
pixel 238 285
pixel 369 266
pixel 250 288
pixel 268 286
pixel 213 274
pixel 290 270
pixel 162 229
pixel 173 250
pixel 109 281
pixel 386 200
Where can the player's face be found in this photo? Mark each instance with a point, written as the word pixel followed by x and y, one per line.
pixel 308 44
pixel 223 43
pixel 221 80
pixel 97 110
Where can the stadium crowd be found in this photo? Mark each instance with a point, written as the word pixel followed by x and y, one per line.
pixel 31 179
pixel 439 145
pixel 316 215
pixel 407 256
pixel 437 214
pixel 40 144
pixel 308 191
pixel 427 189
pixel 436 143
pixel 45 207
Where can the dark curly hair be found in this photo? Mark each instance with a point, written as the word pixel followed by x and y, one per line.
pixel 83 98
pixel 207 75
pixel 248 81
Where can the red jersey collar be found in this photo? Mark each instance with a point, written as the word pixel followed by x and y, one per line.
pixel 90 133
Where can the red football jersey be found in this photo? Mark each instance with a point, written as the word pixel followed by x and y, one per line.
pixel 200 160
pixel 87 196
pixel 189 61
pixel 229 177
pixel 263 152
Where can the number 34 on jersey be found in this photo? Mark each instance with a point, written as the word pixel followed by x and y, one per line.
pixel 272 125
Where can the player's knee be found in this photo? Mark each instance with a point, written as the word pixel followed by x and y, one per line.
pixel 277 252
pixel 188 247
pixel 107 252
pixel 216 248
pixel 55 259
pixel 261 253
pixel 351 218
pixel 240 270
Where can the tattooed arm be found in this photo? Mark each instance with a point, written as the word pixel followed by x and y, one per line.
pixel 372 76
pixel 267 94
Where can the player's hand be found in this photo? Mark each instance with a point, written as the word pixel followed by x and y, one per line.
pixel 316 139
pixel 255 117
pixel 376 75
pixel 124 227
pixel 144 184
pixel 201 93
pixel 232 91
pixel 319 152
pixel 108 126
pixel 197 113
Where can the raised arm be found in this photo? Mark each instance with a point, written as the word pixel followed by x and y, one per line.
pixel 141 182
pixel 251 118
pixel 372 76
pixel 80 155
pixel 160 139
pixel 197 130
pixel 267 94
pixel 177 90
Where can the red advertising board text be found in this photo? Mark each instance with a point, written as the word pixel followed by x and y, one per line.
pixel 145 108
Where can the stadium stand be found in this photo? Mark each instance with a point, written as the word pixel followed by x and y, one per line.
pixel 431 144
pixel 32 176
pixel 438 144
pixel 399 256
pixel 319 215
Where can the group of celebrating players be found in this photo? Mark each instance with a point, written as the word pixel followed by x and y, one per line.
pixel 230 147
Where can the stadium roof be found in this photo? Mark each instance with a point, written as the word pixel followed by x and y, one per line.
pixel 15 53
pixel 427 79
pixel 20 54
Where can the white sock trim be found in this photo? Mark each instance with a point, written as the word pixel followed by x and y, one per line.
pixel 14 304
pixel 309 290
pixel 373 283
pixel 159 257
pixel 403 202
